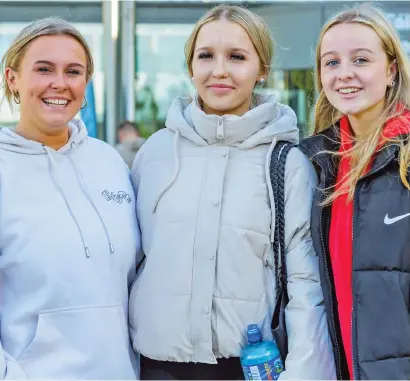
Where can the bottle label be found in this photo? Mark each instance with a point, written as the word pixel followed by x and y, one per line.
pixel 269 370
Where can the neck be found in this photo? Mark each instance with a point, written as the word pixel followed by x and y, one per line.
pixel 55 141
pixel 363 123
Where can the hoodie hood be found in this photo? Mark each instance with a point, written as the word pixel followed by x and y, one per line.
pixel 266 121
pixel 11 141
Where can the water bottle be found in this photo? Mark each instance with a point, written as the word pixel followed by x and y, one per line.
pixel 260 359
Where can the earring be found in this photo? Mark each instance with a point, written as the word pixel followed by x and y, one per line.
pixel 16 97
pixel 262 81
pixel 392 83
pixel 84 105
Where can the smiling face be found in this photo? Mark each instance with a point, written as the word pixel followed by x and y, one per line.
pixel 225 67
pixel 50 81
pixel 355 71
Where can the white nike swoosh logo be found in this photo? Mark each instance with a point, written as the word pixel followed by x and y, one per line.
pixel 389 221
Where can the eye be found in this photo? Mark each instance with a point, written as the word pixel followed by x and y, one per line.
pixel 74 72
pixel 44 69
pixel 332 63
pixel 204 55
pixel 361 60
pixel 237 57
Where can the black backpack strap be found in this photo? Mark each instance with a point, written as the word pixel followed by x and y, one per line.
pixel 277 177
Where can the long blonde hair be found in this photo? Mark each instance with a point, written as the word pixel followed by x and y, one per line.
pixel 254 25
pixel 50 26
pixel 397 96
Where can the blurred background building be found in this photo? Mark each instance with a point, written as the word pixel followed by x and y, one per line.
pixel 138 47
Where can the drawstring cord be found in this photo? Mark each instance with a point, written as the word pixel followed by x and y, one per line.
pixel 55 179
pixel 87 194
pixel 175 174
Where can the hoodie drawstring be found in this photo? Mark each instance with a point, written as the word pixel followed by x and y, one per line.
pixel 175 174
pixel 59 187
pixel 84 188
pixel 270 190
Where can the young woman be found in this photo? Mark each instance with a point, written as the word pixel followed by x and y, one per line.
pixel 360 219
pixel 69 234
pixel 204 200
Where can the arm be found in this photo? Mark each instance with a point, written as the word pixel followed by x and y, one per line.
pixel 135 179
pixel 310 350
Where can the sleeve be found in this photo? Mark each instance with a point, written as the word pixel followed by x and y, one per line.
pixel 9 368
pixel 135 179
pixel 310 352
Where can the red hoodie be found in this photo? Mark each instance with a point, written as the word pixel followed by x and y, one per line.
pixel 341 228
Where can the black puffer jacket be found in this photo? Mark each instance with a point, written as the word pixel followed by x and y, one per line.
pixel 381 262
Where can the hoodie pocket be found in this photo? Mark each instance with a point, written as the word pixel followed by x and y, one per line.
pixel 81 343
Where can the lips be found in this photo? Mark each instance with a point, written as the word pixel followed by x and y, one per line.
pixel 220 86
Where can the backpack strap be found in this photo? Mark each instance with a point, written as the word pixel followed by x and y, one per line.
pixel 277 177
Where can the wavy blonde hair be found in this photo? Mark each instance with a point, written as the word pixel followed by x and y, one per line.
pixel 396 100
pixel 51 26
pixel 254 25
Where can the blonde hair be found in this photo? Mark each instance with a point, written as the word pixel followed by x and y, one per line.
pixel 254 25
pixel 51 26
pixel 397 97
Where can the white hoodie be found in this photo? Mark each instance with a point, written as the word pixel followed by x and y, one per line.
pixel 68 241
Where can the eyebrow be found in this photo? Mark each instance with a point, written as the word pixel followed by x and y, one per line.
pixel 353 51
pixel 234 49
pixel 44 62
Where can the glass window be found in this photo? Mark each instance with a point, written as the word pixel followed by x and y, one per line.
pixel 161 72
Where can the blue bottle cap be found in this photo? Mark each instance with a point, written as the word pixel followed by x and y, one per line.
pixel 254 333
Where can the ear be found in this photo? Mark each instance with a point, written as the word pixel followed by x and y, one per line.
pixel 11 78
pixel 392 71
pixel 263 73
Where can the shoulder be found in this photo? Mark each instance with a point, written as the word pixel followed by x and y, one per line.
pixel 98 146
pixel 327 140
pixel 159 138
pixel 298 169
pixel 103 152
pixel 155 147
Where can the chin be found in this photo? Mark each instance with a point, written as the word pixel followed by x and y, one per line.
pixel 57 123
pixel 221 106
pixel 353 111
pixel 349 109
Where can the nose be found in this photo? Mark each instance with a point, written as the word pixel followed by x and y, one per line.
pixel 59 82
pixel 220 68
pixel 345 72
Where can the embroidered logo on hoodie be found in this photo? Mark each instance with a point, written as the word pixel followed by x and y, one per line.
pixel 118 197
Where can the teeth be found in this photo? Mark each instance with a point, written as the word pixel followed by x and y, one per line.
pixel 348 90
pixel 58 102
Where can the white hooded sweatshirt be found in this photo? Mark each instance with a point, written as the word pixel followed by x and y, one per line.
pixel 68 242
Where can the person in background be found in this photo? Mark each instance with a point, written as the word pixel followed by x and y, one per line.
pixel 360 220
pixel 206 209
pixel 129 141
pixel 68 230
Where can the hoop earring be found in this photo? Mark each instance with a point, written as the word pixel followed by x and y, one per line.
pixel 392 83
pixel 16 97
pixel 84 105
